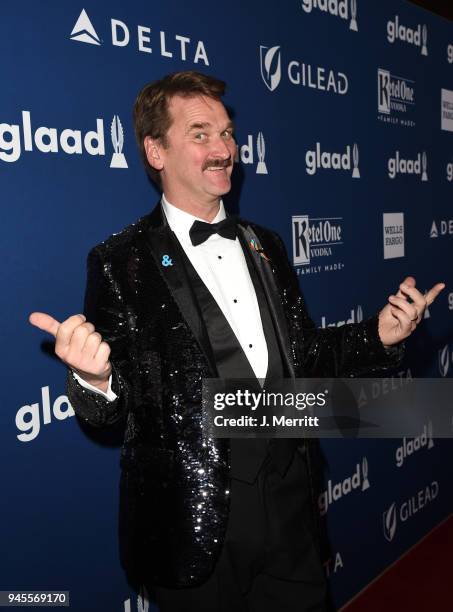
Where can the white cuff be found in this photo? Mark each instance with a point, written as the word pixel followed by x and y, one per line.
pixel 109 394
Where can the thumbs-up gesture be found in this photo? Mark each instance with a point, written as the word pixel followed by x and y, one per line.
pixel 79 346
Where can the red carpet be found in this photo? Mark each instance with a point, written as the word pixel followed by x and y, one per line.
pixel 420 581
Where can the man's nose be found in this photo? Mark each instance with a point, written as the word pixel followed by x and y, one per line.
pixel 224 149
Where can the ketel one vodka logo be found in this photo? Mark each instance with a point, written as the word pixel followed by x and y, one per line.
pixel 317 159
pixel 407 510
pixel 338 8
pixel 396 98
pixel 358 481
pixel 315 237
pixel 417 37
pixel 399 165
pixel 65 141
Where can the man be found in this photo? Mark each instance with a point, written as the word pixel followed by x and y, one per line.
pixel 188 293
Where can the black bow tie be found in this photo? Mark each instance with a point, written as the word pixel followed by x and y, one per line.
pixel 200 231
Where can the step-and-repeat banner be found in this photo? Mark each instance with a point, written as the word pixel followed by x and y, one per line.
pixel 344 115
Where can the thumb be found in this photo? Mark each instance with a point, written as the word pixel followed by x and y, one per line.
pixel 44 322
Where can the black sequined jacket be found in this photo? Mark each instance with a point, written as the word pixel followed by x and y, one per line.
pixel 175 487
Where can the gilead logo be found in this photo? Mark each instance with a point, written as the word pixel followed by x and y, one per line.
pixel 30 416
pixel 395 514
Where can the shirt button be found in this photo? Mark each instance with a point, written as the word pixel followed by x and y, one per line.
pixel 250 345
pixel 235 301
pixel 219 256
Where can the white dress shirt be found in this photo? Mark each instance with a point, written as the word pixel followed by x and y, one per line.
pixel 221 265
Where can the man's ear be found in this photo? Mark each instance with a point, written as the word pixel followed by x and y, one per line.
pixel 152 150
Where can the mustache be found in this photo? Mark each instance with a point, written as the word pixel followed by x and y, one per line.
pixel 217 163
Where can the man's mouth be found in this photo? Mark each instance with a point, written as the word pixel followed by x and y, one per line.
pixel 217 165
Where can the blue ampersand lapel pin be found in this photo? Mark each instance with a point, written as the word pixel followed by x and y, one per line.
pixel 166 261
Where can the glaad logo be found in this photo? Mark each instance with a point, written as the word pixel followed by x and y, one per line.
pixel 245 153
pixel 445 357
pixel 338 8
pixel 359 480
pixel 393 233
pixel 449 172
pixel 412 445
pixel 450 54
pixel 116 130
pixel 417 37
pixel 446 228
pixel 28 417
pixel 318 159
pixel 407 509
pixel 299 73
pixel 355 317
pixel 418 166
pixel 396 98
pixel 446 110
pixel 83 31
pixel 271 66
pixel 69 141
pixel 315 238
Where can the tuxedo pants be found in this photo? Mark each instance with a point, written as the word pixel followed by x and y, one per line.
pixel 269 561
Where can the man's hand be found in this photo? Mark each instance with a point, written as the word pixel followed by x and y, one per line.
pixel 79 346
pixel 399 318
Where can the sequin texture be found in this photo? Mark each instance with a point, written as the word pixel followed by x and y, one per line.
pixel 175 486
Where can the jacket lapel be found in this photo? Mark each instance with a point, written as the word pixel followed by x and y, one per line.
pixel 264 270
pixel 166 252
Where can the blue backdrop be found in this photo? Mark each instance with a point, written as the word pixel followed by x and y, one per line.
pixel 344 114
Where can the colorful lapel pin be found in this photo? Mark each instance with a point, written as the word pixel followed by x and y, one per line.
pixel 257 247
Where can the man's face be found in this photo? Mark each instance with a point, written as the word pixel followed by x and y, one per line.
pixel 197 163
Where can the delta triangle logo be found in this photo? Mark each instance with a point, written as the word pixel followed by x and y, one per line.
pixel 83 30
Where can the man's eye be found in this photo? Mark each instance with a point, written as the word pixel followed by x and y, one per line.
pixel 228 134
pixel 200 136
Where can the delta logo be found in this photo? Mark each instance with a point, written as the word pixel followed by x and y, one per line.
pixel 122 35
